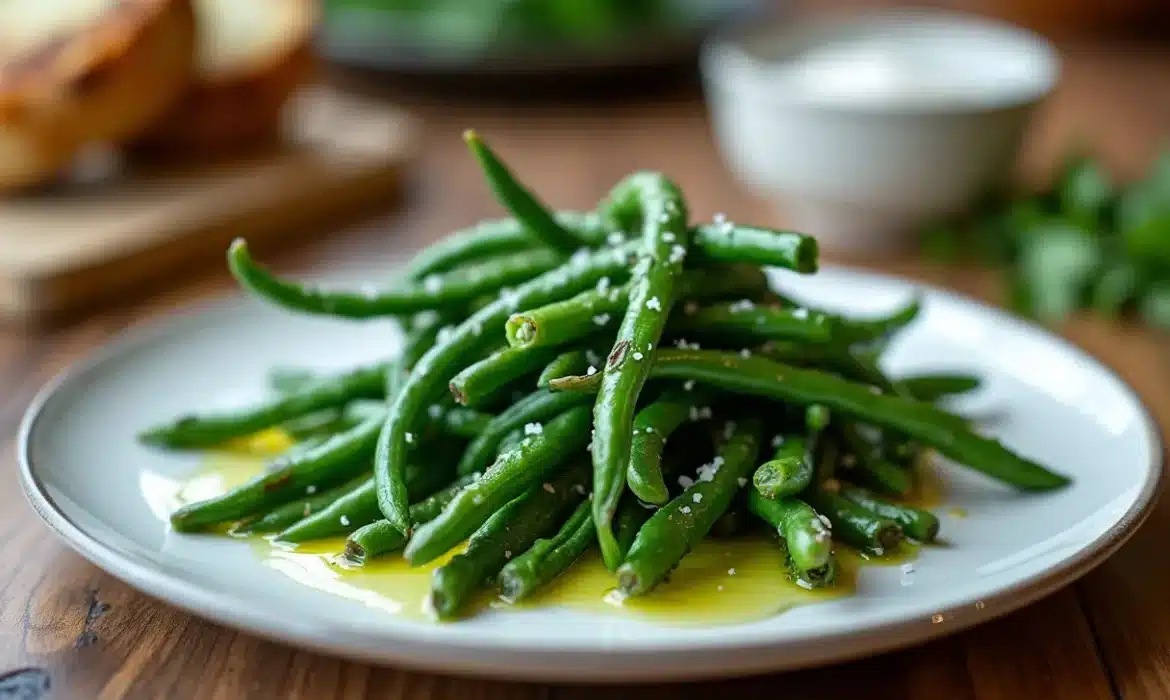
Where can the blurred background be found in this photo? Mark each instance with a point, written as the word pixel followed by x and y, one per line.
pixel 1020 137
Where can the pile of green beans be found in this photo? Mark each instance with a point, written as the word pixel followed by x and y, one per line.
pixel 552 398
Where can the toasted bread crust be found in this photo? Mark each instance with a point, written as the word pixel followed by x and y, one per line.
pixel 105 82
pixel 236 105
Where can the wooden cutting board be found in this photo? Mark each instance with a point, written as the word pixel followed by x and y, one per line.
pixel 111 227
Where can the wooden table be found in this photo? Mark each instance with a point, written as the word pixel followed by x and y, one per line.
pixel 1106 636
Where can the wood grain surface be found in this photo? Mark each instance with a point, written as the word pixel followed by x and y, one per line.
pixel 69 627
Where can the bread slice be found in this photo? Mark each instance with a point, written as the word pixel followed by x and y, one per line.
pixel 252 55
pixel 74 72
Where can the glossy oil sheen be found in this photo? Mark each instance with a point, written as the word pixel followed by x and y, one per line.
pixel 722 581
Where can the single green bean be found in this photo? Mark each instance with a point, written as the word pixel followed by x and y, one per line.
pixel 517 199
pixel 380 537
pixel 788 472
pixel 457 287
pixel 732 243
pixel 513 473
pixel 653 290
pixel 743 319
pixel 453 352
pixel 854 525
pixel 807 538
pixel 653 425
pixel 676 527
pixel 879 329
pixel 548 558
pixel 196 431
pixel 917 523
pixel 338 459
pixel 600 309
pixel 946 432
pixel 490 239
pixel 933 387
pixel 476 383
pixel 510 530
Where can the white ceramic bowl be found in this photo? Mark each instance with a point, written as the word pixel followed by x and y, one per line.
pixel 865 129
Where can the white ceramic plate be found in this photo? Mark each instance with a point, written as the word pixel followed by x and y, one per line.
pixel 84 473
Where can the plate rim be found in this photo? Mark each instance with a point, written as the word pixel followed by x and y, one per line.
pixel 452 654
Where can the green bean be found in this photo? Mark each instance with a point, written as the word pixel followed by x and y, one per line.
pixel 859 330
pixel 598 309
pixel 788 472
pixel 566 364
pixel 727 242
pixel 491 239
pixel 380 537
pixel 517 199
pixel 863 462
pixel 511 529
pixel 457 287
pixel 537 457
pixel 537 407
pixel 854 525
pixel 931 426
pixel 288 514
pixel 548 558
pixel 933 387
pixel 338 459
pixel 652 295
pixel 806 537
pixel 918 523
pixel 565 321
pixel 473 385
pixel 676 527
pixel 652 427
pixel 450 354
pixel 420 336
pixel 193 431
pixel 828 357
pixel 745 319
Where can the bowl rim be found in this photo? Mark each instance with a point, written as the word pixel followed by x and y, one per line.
pixel 727 63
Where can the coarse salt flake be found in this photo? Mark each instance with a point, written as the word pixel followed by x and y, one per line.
pixel 311 489
pixel 745 353
pixel 741 305
pixel 697 498
pixel 742 481
pixel 638 356
pixel 615 238
pixel 654 304
pixel 533 429
pixel 778 441
pixel 689 385
pixel 601 319
pixel 669 237
pixel 433 284
pixel 602 285
pixel 409 438
pixel 434 410
pixel 685 510
pixel 800 313
pixel 345 521
pixel 590 371
pixel 685 481
pixel 731 571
